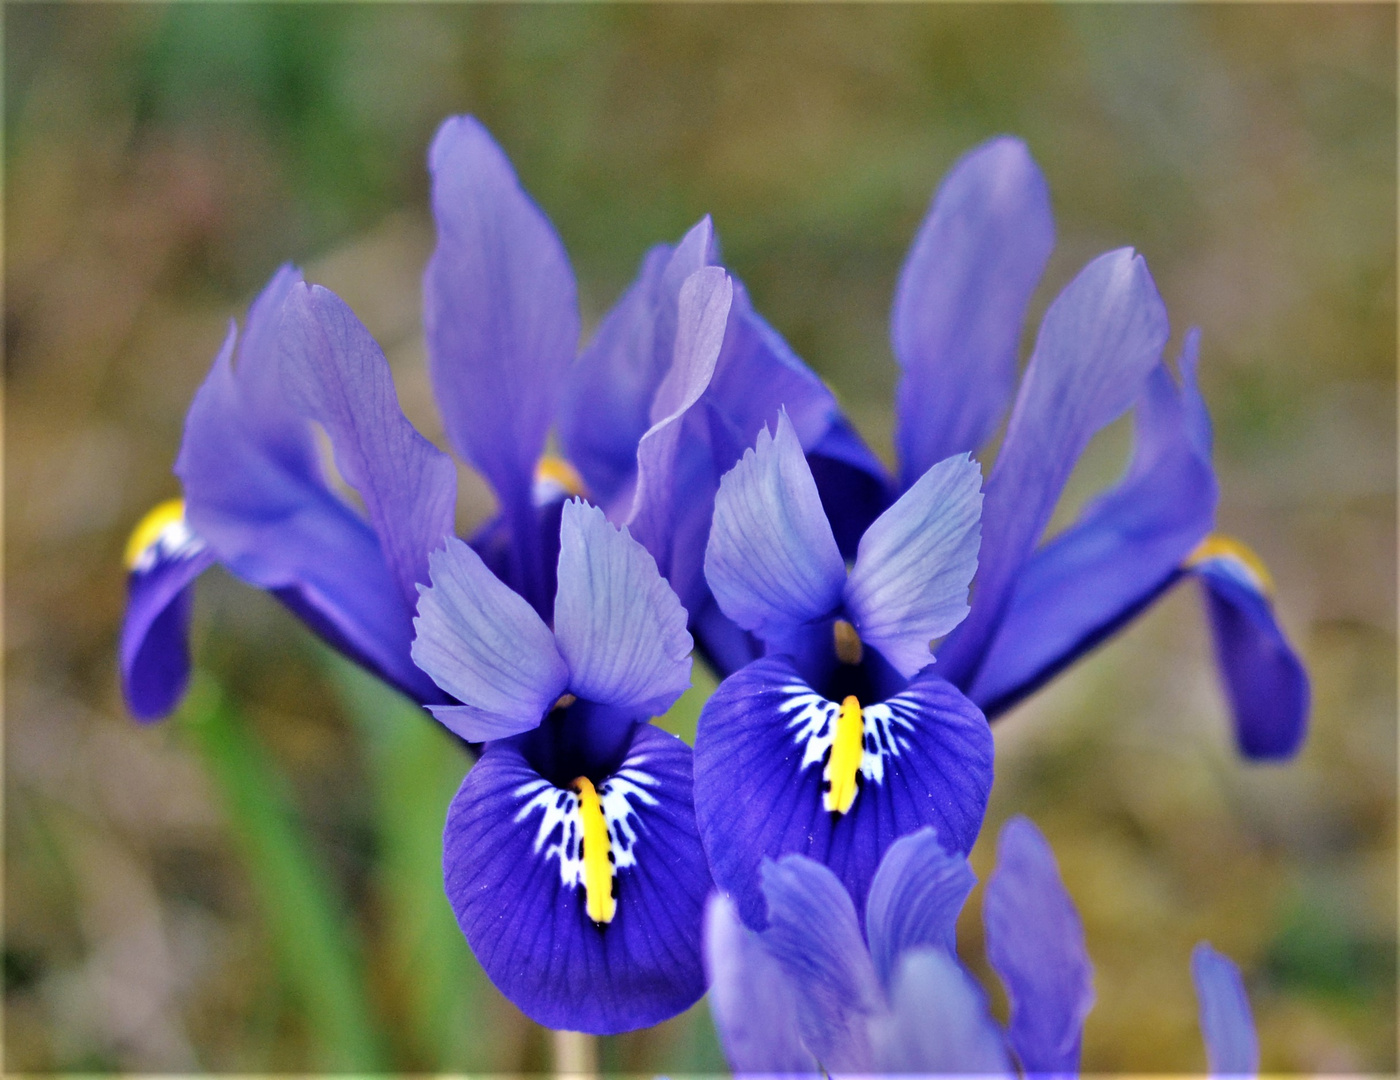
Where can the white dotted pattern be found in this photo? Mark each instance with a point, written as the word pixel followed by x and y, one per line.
pixel 813 723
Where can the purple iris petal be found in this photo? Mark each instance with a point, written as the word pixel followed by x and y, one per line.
pixel 759 760
pixel 1123 551
pixel 502 323
pixel 753 1004
pixel 483 643
pixel 619 626
pixel 155 655
pixel 914 900
pixel 908 586
pixel 772 562
pixel 815 936
pixel 1035 942
pixel 1099 340
pixel 962 299
pixel 1266 682
pixel 510 855
pixel 335 372
pixel 1227 1023
pixel 938 1022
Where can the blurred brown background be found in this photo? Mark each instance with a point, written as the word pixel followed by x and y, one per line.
pixel 161 161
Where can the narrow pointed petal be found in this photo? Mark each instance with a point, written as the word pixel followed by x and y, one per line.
pixel 703 311
pixel 909 583
pixel 516 880
pixel 753 1004
pixel 760 752
pixel 854 487
pixel 483 643
pixel 814 935
pixel 1265 681
pixel 938 1024
pixel 1099 341
pixel 1122 553
pixel 335 372
pixel 914 900
pixel 771 561
pixel 1035 942
pixel 164 559
pixel 618 625
pixel 1227 1022
pixel 500 312
pixel 961 302
pixel 254 493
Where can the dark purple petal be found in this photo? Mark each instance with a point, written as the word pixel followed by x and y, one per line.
pixel 852 483
pixel 510 845
pixel 962 299
pixel 1227 1023
pixel 771 561
pixel 759 763
pixel 1035 942
pixel 1099 341
pixel 500 312
pixel 335 372
pixel 162 564
pixel 914 900
pixel 1124 550
pixel 752 1002
pixel 484 645
pixel 618 625
pixel 814 935
pixel 908 586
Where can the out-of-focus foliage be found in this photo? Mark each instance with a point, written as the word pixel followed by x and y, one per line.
pixel 160 161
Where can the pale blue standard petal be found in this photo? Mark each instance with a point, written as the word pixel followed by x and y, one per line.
pixel 1035 942
pixel 814 935
pixel 335 372
pixel 772 562
pixel 500 312
pixel 1227 1023
pixel 764 775
pixel 753 1004
pixel 517 876
pixel 483 643
pixel 618 625
pixel 914 900
pixel 1098 342
pixel 909 583
pixel 961 302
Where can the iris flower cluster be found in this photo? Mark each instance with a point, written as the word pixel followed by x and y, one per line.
pixel 708 496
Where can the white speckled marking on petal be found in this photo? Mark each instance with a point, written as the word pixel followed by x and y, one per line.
pixel 814 718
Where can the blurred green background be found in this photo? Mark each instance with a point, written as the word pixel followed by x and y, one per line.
pixel 254 886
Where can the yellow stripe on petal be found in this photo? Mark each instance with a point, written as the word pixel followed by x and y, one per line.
pixel 149 530
pixel 599 900
pixel 555 478
pixel 847 750
pixel 1220 548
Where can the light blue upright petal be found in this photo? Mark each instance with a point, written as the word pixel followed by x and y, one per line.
pixel 1099 340
pixel 335 372
pixel 483 643
pixel 914 900
pixel 753 1005
pixel 618 625
pixel 938 1024
pixel 813 933
pixel 962 299
pixel 909 583
pixel 772 562
pixel 1035 942
pixel 1227 1023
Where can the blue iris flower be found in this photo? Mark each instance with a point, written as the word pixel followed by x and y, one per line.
pixel 812 991
pixel 571 854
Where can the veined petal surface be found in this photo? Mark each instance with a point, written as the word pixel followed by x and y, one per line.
pixel 913 565
pixel 772 562
pixel 483 643
pixel 961 302
pixel 514 876
pixel 1227 1022
pixel 617 623
pixel 760 750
